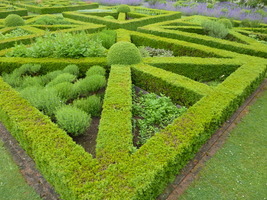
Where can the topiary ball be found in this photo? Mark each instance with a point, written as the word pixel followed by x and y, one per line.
pixel 123 8
pixel 13 20
pixel 123 53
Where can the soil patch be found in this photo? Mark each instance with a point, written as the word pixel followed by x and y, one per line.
pixel 88 140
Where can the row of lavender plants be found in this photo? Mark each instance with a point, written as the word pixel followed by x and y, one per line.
pixel 219 9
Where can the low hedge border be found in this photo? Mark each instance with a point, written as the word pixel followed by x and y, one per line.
pixel 199 69
pixel 149 170
pixel 18 11
pixel 115 139
pixel 255 49
pixel 180 48
pixel 63 163
pixel 180 89
pixel 123 35
pixel 130 25
pixel 7 65
pixel 144 175
pixel 58 9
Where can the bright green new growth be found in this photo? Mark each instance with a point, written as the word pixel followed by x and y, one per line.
pixel 91 105
pixel 96 70
pixel 226 22
pixel 215 29
pixel 13 20
pixel 123 8
pixel 109 17
pixel 73 120
pixel 123 53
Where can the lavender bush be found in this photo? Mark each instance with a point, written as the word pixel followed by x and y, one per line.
pixel 222 9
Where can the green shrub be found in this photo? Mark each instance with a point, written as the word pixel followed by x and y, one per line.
pixel 226 22
pixel 123 8
pixel 29 81
pixel 65 91
pixel 50 76
pixel 123 53
pixel 106 37
pixel 71 69
pixel 90 84
pixel 29 69
pixel 154 52
pixel 44 99
pixel 214 29
pixel 73 120
pixel 96 70
pixel 91 105
pixel 13 20
pixel 109 17
pixel 51 20
pixel 65 77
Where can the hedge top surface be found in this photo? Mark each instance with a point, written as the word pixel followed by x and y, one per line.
pixel 123 8
pixel 123 53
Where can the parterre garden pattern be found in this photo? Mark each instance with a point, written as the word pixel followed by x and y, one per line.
pixel 120 171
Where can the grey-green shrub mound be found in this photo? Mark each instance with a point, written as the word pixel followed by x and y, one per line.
pixel 65 77
pixel 65 91
pixel 13 20
pixel 72 69
pixel 96 69
pixel 215 29
pixel 123 8
pixel 123 53
pixel 226 22
pixel 73 120
pixel 90 84
pixel 91 105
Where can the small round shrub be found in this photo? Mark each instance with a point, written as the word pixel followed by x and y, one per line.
pixel 65 91
pixel 30 81
pixel 65 77
pixel 91 105
pixel 123 53
pixel 226 22
pixel 51 76
pixel 90 84
pixel 73 120
pixel 123 8
pixel 109 17
pixel 71 69
pixel 13 20
pixel 96 70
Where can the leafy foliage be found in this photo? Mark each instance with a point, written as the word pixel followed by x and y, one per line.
pixel 58 45
pixel 123 8
pixel 152 113
pixel 107 38
pixel 51 20
pixel 14 33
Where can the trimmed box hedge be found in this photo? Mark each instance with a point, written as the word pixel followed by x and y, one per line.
pixel 18 11
pixel 57 9
pixel 120 171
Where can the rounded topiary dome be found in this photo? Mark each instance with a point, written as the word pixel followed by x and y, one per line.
pixel 123 53
pixel 13 20
pixel 123 8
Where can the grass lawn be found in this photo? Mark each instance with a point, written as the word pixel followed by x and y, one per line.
pixel 239 169
pixel 12 184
